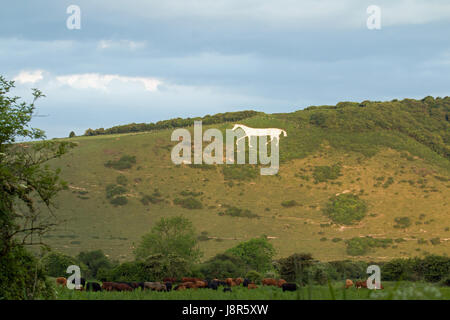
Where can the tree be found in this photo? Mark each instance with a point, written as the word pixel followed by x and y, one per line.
pixel 72 134
pixel 25 181
pixel 94 260
pixel 170 236
pixel 296 267
pixel 256 253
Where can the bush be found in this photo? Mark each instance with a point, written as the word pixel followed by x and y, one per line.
pixel 94 260
pixel 325 173
pixel 113 190
pixel 256 253
pixel 188 203
pixel 289 203
pixel 295 268
pixel 55 264
pixel 402 222
pixel 360 246
pixel 237 212
pixel 154 198
pixel 125 162
pixel 239 172
pixel 223 265
pixel 22 277
pixel 254 276
pixel 122 180
pixel 346 209
pixel 119 201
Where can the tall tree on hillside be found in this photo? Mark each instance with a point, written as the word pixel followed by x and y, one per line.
pixel 170 236
pixel 25 181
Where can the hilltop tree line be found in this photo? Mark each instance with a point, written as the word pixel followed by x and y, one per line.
pixel 173 123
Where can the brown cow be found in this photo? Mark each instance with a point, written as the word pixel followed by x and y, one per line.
pixel 229 281
pixel 189 285
pixel 121 287
pixel 108 286
pixel 361 284
pixel 180 287
pixel 281 282
pixel 201 284
pixel 155 286
pixel 170 280
pixel 238 281
pixel 61 281
pixel 252 286
pixel 348 283
pixel 269 282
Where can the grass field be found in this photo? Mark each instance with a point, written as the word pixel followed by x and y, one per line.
pixel 392 291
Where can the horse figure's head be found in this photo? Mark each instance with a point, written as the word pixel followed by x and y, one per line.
pixel 237 126
pixel 284 133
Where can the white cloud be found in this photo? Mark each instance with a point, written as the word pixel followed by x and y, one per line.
pixel 29 76
pixel 105 81
pixel 128 44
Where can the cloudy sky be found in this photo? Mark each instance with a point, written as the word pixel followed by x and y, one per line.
pixel 146 60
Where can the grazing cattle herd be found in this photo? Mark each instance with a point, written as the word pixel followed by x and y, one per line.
pixel 169 284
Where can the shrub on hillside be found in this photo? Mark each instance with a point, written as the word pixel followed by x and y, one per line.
pixel 188 203
pixel 289 203
pixel 122 180
pixel 125 162
pixel 359 246
pixel 402 222
pixel 113 190
pixel 325 173
pixel 119 201
pixel 346 209
pixel 238 212
pixel 239 172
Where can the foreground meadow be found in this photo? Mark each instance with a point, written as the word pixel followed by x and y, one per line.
pixel 392 291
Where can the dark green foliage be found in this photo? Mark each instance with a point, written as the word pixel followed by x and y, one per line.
pixel 154 268
pixel 336 239
pixel 402 222
pixel 122 180
pixel 154 198
pixel 238 212
pixel 295 268
pixel 346 209
pixel 240 172
pixel 125 162
pixel 223 265
pixel 27 187
pixel 94 260
pixel 289 203
pixel 435 241
pixel 325 173
pixel 359 246
pixel 72 134
pixel 170 236
pixel 188 203
pixel 23 277
pixel 173 123
pixel 113 190
pixel 56 264
pixel 256 253
pixel 119 201
pixel 388 182
pixel 186 193
pixel 254 276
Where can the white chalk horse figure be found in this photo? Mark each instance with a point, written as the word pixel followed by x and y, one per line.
pixel 260 132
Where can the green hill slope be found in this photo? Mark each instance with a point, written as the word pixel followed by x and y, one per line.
pixel 393 156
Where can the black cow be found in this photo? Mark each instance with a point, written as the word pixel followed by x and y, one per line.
pixel 289 287
pixel 246 282
pixel 168 286
pixel 93 286
pixel 213 284
pixel 82 281
pixel 227 290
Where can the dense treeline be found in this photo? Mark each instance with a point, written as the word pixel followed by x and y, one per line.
pixel 426 121
pixel 173 123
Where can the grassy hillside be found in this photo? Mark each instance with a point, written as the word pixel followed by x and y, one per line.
pixel 394 157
